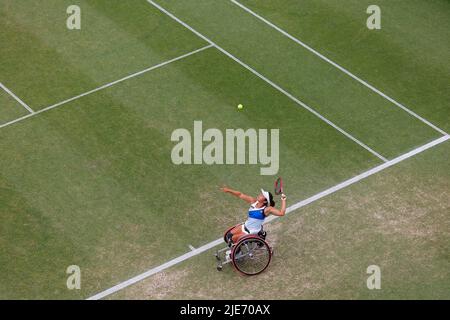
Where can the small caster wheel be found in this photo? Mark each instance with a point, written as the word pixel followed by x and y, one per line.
pixel 219 268
pixel 217 256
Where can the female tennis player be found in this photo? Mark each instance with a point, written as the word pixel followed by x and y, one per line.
pixel 260 207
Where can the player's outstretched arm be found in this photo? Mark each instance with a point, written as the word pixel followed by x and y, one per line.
pixel 238 194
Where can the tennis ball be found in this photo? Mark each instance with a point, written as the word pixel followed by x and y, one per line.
pixel 240 106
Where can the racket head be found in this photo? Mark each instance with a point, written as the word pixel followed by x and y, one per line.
pixel 278 186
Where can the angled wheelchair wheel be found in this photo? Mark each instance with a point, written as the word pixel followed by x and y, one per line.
pixel 251 255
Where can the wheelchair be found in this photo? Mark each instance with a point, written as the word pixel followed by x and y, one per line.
pixel 250 255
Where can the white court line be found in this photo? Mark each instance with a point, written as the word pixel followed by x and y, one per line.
pixel 16 98
pixel 106 85
pixel 296 206
pixel 269 82
pixel 339 67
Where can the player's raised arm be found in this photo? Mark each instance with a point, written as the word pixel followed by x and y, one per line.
pixel 238 194
pixel 282 211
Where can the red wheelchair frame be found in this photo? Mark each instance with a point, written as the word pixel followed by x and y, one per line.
pixel 246 248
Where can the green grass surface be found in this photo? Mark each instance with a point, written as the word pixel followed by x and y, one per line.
pixel 407 59
pixel 104 163
pixel 91 182
pixel 46 63
pixel 356 109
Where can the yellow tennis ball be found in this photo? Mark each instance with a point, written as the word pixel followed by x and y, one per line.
pixel 240 106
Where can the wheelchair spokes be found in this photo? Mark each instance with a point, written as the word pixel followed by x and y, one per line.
pixel 251 256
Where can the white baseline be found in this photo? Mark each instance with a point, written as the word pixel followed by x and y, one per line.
pixel 296 206
pixel 339 67
pixel 290 96
pixel 106 86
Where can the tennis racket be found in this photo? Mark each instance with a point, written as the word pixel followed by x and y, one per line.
pixel 279 186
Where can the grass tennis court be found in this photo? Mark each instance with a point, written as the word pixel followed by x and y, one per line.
pixel 397 219
pixel 87 179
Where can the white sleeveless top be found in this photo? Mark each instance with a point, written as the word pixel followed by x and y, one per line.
pixel 255 218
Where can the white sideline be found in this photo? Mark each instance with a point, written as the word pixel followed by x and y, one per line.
pixel 296 206
pixel 23 104
pixel 269 81
pixel 107 85
pixel 339 67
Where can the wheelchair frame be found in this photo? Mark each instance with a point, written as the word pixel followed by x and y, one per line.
pixel 244 241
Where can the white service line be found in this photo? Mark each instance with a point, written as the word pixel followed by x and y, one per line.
pixel 339 67
pixel 269 82
pixel 296 206
pixel 107 85
pixel 16 98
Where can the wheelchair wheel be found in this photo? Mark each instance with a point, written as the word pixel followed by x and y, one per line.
pixel 251 255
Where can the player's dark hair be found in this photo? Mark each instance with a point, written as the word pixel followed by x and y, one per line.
pixel 272 202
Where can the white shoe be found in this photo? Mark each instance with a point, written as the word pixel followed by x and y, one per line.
pixel 227 255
